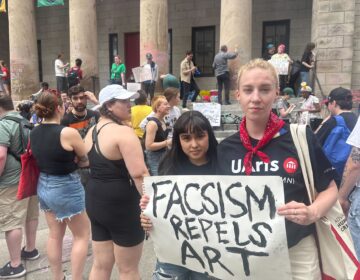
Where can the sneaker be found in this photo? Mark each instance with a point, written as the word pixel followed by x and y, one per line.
pixel 9 272
pixel 30 256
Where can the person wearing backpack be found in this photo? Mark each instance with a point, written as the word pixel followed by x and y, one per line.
pixel 15 214
pixel 75 74
pixel 335 130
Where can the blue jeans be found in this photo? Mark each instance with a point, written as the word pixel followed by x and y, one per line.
pixel 167 271
pixel 354 219
pixel 304 76
pixel 153 159
pixel 62 195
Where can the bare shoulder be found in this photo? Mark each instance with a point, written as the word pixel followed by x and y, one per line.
pixel 69 132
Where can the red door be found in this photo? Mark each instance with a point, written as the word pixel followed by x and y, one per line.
pixel 132 52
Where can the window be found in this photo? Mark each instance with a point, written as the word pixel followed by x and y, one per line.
pixel 276 32
pixel 170 49
pixel 203 47
pixel 40 60
pixel 113 47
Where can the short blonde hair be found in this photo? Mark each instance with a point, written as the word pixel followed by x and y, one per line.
pixel 258 63
pixel 157 101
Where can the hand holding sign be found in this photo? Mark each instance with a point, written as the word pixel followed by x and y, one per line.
pixel 224 226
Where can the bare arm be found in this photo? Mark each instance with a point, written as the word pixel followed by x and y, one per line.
pixel 3 157
pixel 71 141
pixel 307 65
pixel 150 145
pixel 305 215
pixel 131 151
pixel 350 177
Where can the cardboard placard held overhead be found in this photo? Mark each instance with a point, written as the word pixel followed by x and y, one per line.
pixel 142 74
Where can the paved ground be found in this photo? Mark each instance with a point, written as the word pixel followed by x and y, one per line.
pixel 39 269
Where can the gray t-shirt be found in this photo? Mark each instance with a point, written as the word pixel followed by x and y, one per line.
pixel 10 138
pixel 220 62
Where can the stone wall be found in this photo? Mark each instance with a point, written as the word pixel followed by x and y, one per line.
pixel 299 14
pixel 355 79
pixel 333 33
pixel 4 38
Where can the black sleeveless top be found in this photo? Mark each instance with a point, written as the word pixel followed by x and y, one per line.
pixel 109 179
pixel 161 134
pixel 50 156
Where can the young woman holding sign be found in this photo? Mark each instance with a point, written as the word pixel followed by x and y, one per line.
pixel 193 152
pixel 264 140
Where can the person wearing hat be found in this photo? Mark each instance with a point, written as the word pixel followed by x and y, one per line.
pixel 111 198
pixel 310 108
pixel 339 103
pixel 270 50
pixel 149 85
pixel 283 107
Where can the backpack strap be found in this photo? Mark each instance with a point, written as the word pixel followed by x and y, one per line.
pixel 21 132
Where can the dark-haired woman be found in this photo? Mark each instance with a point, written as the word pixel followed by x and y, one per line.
pixel 193 152
pixel 59 151
pixel 113 191
pixel 307 62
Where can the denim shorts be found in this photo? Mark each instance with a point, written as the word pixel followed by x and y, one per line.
pixel 167 271
pixel 62 195
pixel 354 219
pixel 153 159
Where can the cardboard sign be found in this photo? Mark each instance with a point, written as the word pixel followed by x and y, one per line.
pixel 223 226
pixel 133 87
pixel 142 74
pixel 212 111
pixel 281 66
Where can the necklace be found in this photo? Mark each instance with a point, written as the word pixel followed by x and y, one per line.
pixel 80 118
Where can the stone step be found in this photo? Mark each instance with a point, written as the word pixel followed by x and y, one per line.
pixel 226 127
pixel 224 133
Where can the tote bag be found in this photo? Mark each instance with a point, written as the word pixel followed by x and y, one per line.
pixel 337 255
pixel 29 175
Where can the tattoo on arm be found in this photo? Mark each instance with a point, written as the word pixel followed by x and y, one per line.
pixel 355 155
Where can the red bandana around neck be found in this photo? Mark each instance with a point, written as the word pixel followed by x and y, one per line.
pixel 273 126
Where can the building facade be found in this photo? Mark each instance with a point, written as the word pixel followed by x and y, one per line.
pixel 96 30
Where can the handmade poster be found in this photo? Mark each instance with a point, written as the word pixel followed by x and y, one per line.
pixel 281 66
pixel 142 74
pixel 223 226
pixel 133 87
pixel 212 111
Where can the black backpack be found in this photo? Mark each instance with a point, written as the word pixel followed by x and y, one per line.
pixel 73 77
pixel 24 130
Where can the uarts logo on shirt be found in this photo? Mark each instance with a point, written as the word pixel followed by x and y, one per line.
pixel 290 165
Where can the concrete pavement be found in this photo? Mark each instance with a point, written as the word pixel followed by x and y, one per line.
pixel 39 269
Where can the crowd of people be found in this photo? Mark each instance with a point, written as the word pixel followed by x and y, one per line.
pixel 93 162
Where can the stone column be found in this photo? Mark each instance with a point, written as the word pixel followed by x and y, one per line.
pixel 333 24
pixel 83 39
pixel 24 68
pixel 154 33
pixel 236 32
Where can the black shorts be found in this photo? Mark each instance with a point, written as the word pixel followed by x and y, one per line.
pixel 118 221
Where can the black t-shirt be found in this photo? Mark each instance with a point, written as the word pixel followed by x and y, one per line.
pixel 284 162
pixel 81 124
pixel 350 120
pixel 187 168
pixel 307 57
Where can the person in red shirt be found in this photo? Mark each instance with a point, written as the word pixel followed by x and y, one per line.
pixel 5 77
pixel 75 74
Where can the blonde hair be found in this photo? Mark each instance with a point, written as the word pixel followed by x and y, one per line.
pixel 258 63
pixel 157 101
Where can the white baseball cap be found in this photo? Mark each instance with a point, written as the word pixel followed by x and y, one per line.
pixel 115 92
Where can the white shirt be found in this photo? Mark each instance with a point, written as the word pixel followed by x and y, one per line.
pixel 309 104
pixel 169 120
pixel 354 140
pixel 59 70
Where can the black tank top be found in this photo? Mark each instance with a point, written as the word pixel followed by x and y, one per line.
pixel 50 156
pixel 110 179
pixel 161 134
